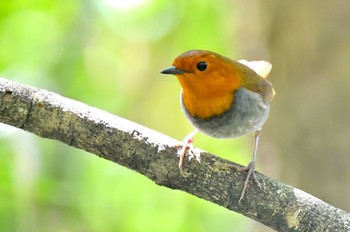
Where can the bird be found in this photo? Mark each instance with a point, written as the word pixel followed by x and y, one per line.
pixel 223 98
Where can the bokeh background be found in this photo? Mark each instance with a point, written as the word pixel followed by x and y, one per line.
pixel 108 54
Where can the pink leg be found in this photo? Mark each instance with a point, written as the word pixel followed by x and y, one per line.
pixel 251 167
pixel 186 146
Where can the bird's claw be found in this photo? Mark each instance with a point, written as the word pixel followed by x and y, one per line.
pixel 187 148
pixel 250 173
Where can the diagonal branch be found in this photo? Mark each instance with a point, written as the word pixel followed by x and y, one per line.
pixel 153 154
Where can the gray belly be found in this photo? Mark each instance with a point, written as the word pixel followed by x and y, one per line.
pixel 247 114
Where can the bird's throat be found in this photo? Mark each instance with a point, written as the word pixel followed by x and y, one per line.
pixel 206 107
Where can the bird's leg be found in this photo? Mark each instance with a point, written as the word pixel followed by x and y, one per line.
pixel 251 167
pixel 187 147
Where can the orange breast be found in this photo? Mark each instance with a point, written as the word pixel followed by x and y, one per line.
pixel 209 97
pixel 207 107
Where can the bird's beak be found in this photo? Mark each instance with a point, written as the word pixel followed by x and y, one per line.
pixel 172 70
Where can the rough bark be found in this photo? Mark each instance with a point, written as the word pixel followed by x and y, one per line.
pixel 277 205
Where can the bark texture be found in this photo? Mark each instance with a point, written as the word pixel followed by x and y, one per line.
pixel 153 154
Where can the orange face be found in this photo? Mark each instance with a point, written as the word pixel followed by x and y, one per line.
pixel 207 74
pixel 208 81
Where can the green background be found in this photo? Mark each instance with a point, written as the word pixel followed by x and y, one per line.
pixel 109 53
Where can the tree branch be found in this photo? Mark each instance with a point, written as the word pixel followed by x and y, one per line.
pixel 153 154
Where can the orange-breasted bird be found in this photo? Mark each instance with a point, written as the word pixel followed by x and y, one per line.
pixel 223 98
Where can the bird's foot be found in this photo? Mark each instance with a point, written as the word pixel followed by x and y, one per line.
pixel 250 173
pixel 187 148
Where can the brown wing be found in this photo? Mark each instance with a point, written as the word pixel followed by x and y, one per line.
pixel 256 83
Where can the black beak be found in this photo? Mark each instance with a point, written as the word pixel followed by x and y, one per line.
pixel 172 70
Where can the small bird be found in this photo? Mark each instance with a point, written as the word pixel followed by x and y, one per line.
pixel 223 98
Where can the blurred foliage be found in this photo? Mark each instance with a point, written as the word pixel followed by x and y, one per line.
pixel 108 54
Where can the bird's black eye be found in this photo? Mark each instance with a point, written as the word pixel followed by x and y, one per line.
pixel 201 66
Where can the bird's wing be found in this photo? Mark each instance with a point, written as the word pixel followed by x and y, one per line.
pixel 261 67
